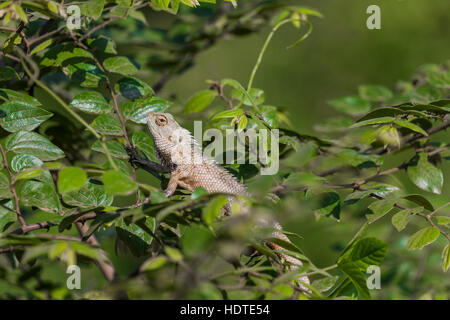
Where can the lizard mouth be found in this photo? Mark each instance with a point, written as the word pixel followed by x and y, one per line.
pixel 151 124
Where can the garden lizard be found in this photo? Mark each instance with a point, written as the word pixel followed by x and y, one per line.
pixel 181 156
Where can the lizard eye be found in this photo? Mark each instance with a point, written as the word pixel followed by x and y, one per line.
pixel 161 121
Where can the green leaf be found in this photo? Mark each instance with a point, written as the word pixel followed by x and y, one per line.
pixel 136 236
pixel 163 4
pixel 325 284
pixel 87 251
pixel 422 238
pixel 411 126
pixel 8 73
pixel 306 11
pixel 355 260
pixel 236 85
pixel 33 144
pixel 380 189
pixel 18 9
pixel 379 209
pixel 357 277
pixel 196 239
pixel 198 193
pixel 173 253
pixel 242 124
pixel 443 220
pixel 59 54
pixel 41 46
pixel 351 105
pixel 270 115
pixel 25 161
pixel 153 263
pixel 325 203
pixel 91 102
pixel 5 187
pixel 401 218
pixel 303 179
pixel 373 121
pixel 91 195
pixel 93 8
pixel 71 179
pixel 102 44
pixel 426 176
pixel 257 95
pixel 420 200
pixel 17 96
pixel 357 159
pixel 85 74
pixel 7 216
pixel 199 101
pixel 382 112
pixel 446 258
pixel 365 252
pixel 438 78
pixel 116 149
pixel 39 194
pixel 28 174
pixel 138 109
pixel 133 88
pixel 16 116
pixel 122 65
pixel 107 124
pixel 388 136
pixel 145 144
pixel 118 183
pixel 228 114
pixel 211 211
pixel 375 93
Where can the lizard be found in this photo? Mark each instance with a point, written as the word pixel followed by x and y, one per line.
pixel 180 155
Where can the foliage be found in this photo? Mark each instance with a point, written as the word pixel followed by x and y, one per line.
pixel 73 100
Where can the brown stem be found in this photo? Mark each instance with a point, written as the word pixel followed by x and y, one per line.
pixel 105 267
pixel 10 56
pixel 44 36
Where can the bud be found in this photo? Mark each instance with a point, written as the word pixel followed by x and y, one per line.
pixel 389 136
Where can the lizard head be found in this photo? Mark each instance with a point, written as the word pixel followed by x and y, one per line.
pixel 163 127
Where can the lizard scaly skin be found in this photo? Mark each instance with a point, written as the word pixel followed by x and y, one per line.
pixel 180 155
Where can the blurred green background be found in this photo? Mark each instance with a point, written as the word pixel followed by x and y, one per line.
pixel 340 54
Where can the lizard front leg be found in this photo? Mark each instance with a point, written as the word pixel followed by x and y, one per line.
pixel 175 180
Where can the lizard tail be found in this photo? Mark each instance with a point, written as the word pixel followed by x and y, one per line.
pixel 294 262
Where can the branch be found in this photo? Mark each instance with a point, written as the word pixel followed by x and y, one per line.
pixel 105 267
pixel 427 217
pixel 405 141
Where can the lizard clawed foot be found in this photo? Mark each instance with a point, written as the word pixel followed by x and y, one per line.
pixel 134 156
pixel 168 193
